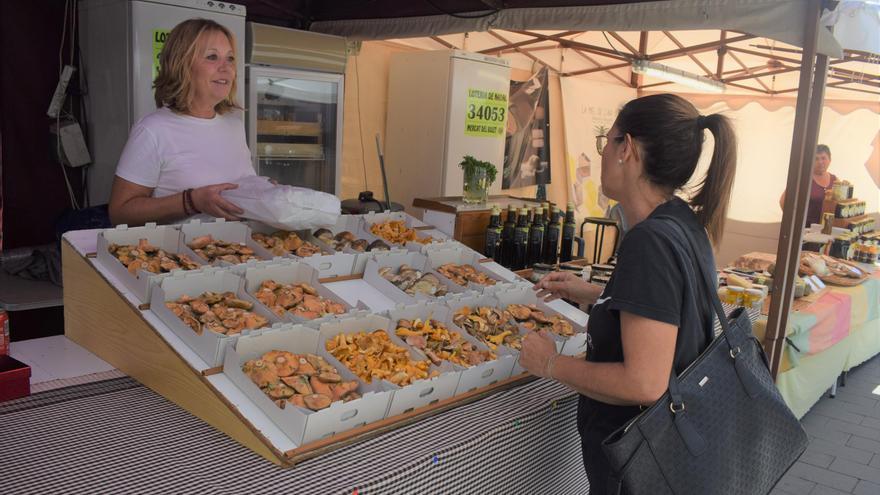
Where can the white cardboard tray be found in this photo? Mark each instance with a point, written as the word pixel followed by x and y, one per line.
pixel 472 377
pixel 395 261
pixel 209 345
pixel 523 294
pixel 165 237
pixel 474 299
pixel 417 394
pixel 302 425
pixel 221 230
pixel 288 271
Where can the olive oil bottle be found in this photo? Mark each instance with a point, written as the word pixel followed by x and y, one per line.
pixel 567 234
pixel 493 235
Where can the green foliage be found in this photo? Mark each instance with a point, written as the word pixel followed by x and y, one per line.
pixel 470 164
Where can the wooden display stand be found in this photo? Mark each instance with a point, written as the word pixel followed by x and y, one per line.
pixel 99 318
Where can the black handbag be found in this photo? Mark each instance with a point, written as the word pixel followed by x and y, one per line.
pixel 721 428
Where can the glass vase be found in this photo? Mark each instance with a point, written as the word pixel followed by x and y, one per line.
pixel 476 186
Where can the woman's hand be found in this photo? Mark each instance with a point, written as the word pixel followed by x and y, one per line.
pixel 566 285
pixel 538 348
pixel 207 199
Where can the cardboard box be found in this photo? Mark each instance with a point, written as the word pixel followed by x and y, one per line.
pixel 15 379
pixel 165 237
pixel 523 294
pixel 288 271
pixel 300 424
pixel 395 261
pixel 417 394
pixel 472 377
pixel 221 230
pixel 473 300
pixel 208 345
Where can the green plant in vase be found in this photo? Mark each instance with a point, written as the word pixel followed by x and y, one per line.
pixel 478 176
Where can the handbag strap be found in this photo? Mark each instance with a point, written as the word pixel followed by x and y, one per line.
pixel 735 340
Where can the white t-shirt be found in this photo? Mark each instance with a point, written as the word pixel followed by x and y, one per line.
pixel 171 152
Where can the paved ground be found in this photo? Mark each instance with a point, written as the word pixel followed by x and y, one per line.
pixel 844 452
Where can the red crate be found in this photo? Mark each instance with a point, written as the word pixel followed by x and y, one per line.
pixel 15 379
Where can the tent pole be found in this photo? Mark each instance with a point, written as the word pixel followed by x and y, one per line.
pixel 806 125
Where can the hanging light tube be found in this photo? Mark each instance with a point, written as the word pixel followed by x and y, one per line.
pixel 678 76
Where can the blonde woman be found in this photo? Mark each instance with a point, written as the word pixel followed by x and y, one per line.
pixel 179 158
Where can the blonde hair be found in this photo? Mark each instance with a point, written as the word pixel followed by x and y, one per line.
pixel 173 85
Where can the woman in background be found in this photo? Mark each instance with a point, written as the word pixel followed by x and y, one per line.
pixel 822 180
pixel 179 158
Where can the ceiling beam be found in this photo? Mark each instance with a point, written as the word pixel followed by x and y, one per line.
pixel 690 55
pixel 519 44
pixel 765 55
pixel 854 74
pixel 595 69
pixel 750 72
pixel 855 80
pixel 597 50
pixel 703 47
pixel 740 86
pixel 635 80
pixel 521 52
pixel 623 42
pixel 594 62
pixel 722 50
pixel 444 42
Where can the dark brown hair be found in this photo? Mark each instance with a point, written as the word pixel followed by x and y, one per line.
pixel 173 85
pixel 823 148
pixel 669 131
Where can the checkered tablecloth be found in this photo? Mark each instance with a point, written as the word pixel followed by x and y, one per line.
pixel 117 436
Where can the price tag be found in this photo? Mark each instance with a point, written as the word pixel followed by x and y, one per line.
pixel 486 113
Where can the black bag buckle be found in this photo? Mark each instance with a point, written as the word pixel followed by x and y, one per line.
pixel 675 409
pixel 735 352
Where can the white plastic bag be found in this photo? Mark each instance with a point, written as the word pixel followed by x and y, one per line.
pixel 283 207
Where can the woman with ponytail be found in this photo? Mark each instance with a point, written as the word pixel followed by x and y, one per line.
pixel 650 319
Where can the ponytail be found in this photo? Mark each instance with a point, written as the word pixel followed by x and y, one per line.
pixel 670 132
pixel 711 202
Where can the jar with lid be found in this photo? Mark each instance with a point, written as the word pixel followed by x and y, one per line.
pixel 734 295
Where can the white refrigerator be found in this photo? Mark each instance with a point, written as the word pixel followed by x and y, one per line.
pixel 120 41
pixel 443 105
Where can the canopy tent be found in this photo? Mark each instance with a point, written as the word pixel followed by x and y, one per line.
pixel 795 22
pixel 782 20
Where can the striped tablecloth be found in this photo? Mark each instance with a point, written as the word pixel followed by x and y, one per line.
pixel 117 436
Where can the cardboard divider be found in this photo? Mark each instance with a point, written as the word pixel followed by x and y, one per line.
pixel 418 393
pixel 288 271
pixel 332 265
pixel 460 255
pixel 395 261
pixel 209 345
pixel 472 377
pixel 221 230
pixel 474 300
pixel 299 424
pixel 305 235
pixel 165 237
pixel 523 294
